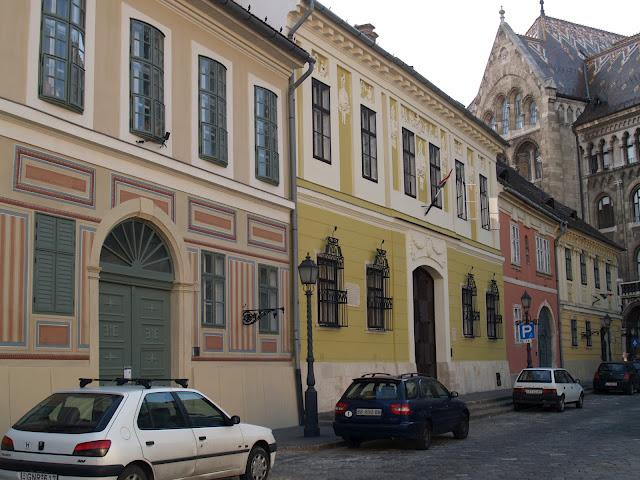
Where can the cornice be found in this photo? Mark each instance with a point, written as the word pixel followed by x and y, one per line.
pixel 609 124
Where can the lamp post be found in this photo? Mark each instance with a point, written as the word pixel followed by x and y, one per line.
pixel 606 324
pixel 308 272
pixel 526 305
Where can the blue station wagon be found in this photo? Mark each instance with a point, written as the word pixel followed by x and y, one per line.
pixel 408 406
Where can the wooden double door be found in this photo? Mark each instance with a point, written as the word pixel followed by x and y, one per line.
pixel 424 322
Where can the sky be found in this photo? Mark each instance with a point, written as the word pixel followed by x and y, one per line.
pixel 449 41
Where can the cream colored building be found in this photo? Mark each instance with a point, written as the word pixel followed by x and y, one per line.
pixel 145 200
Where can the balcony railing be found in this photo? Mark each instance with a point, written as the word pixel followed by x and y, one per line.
pixel 629 289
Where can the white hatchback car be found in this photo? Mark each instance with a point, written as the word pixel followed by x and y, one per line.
pixel 553 387
pixel 134 433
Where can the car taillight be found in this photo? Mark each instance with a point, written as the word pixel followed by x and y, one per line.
pixel 518 390
pixel 627 376
pixel 7 443
pixel 596 377
pixel 400 408
pixel 98 448
pixel 549 391
pixel 341 407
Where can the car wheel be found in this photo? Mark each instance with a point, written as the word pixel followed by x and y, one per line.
pixel 352 442
pixel 580 402
pixel 462 430
pixel 257 465
pixel 424 442
pixel 133 472
pixel 631 390
pixel 560 405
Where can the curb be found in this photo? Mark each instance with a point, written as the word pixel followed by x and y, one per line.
pixel 312 448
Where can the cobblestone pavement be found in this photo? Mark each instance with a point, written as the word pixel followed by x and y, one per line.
pixel 600 441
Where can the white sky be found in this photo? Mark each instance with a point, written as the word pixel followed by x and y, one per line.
pixel 449 41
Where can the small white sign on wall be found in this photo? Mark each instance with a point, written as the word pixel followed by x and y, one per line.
pixel 353 294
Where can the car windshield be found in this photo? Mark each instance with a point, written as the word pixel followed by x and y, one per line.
pixel 613 367
pixel 373 390
pixel 70 413
pixel 535 376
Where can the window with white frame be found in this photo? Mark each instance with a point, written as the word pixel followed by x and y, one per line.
pixel 543 255
pixel 517 319
pixel 515 244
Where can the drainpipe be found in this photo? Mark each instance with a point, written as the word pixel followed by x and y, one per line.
pixel 563 230
pixel 293 187
pixel 580 186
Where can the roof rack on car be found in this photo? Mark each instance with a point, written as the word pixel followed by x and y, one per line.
pixel 375 374
pixel 144 382
pixel 409 375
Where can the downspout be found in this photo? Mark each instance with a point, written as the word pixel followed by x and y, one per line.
pixel 563 230
pixel 293 188
pixel 580 186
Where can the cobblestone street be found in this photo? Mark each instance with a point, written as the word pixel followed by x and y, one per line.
pixel 600 441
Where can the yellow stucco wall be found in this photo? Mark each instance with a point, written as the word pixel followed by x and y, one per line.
pixel 358 241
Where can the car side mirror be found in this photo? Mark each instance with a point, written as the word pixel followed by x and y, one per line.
pixel 577 380
pixel 453 394
pixel 235 420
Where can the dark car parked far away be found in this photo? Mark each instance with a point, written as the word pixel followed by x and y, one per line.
pixel 616 376
pixel 408 406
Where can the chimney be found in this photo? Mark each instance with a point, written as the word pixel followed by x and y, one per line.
pixel 368 30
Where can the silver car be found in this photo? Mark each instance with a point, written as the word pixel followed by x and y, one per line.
pixel 134 433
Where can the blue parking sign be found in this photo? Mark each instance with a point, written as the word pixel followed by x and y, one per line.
pixel 526 331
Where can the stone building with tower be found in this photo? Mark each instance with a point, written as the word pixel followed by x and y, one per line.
pixel 567 99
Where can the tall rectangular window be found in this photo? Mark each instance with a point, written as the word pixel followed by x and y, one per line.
pixel 461 191
pixel 484 203
pixel 515 244
pixel 62 51
pixel 213 289
pixel 543 255
pixel 212 105
pixel 331 297
pixel 568 264
pixel 494 319
pixel 574 333
pixel 409 161
pixel 607 271
pixel 146 71
pixel 435 175
pixel 588 333
pixel 268 297
pixel 369 144
pixel 266 135
pixel 379 302
pixel 596 271
pixel 583 268
pixel 517 319
pixel 321 114
pixel 54 265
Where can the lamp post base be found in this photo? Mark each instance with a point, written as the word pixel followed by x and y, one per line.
pixel 529 362
pixel 311 428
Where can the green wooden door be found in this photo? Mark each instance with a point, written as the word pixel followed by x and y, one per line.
pixel 115 329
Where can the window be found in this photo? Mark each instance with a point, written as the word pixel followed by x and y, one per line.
pixel 568 264
pixel 593 159
pixel 54 265
pixel 543 255
pixel 515 244
pixel 636 205
pixel 596 271
pixel 588 333
pixel 533 113
pixel 630 148
pixel 484 203
pixel 470 316
pixel 505 117
pixel 62 53
pixel 494 318
pixel 606 218
pixel 332 298
pixel 583 268
pixel 638 262
pixel 369 144
pixel 461 191
pixel 606 159
pixel 321 113
pixel 213 291
pixel 435 175
pixel 200 412
pixel 519 114
pixel 537 159
pixel 212 104
pixel 379 303
pixel 526 249
pixel 607 276
pixel 517 320
pixel 268 297
pixel 266 134
pixel 146 71
pixel 160 411
pixel 409 160
pixel 574 332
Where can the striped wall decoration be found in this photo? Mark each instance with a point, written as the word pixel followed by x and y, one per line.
pixel 194 255
pixel 13 278
pixel 285 301
pixel 241 287
pixel 86 242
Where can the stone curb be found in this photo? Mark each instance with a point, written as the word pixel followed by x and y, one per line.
pixel 312 448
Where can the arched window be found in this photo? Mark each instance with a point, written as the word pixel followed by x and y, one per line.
pixel 528 161
pixel 569 115
pixel 605 154
pixel 629 148
pixel 635 201
pixel 533 113
pixel 561 118
pixel 606 217
pixel 505 117
pixel 593 159
pixel 519 114
pixel 490 120
pixel 638 262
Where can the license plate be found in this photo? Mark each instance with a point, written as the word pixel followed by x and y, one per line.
pixel 531 391
pixel 37 476
pixel 611 384
pixel 369 412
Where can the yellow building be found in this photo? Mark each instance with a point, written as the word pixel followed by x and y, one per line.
pixel 375 139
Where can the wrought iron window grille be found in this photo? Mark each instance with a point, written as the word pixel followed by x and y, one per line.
pixel 494 317
pixel 332 297
pixel 379 303
pixel 470 313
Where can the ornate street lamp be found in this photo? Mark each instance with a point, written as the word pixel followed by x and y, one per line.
pixel 526 305
pixel 308 272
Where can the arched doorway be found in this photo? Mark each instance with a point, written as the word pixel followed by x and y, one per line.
pixel 424 322
pixel 134 302
pixel 545 354
pixel 632 324
pixel 528 162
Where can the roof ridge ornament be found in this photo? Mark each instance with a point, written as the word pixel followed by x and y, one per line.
pixel 501 12
pixel 542 8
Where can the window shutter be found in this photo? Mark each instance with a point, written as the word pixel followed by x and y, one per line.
pixel 44 281
pixel 65 263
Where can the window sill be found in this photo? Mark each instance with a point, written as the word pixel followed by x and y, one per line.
pixel 517 266
pixel 377 331
pixel 608 229
pixel 374 180
pixel 543 274
pixel 209 325
pixel 323 160
pixel 61 104
pixel 147 137
pixel 269 333
pixel 214 160
pixel 268 180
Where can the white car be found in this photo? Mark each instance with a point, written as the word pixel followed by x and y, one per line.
pixel 553 387
pixel 134 433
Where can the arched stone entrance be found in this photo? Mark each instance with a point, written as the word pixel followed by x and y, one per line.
pixel 424 322
pixel 545 336
pixel 134 308
pixel 631 324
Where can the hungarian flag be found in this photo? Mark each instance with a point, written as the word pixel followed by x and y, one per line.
pixel 444 180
